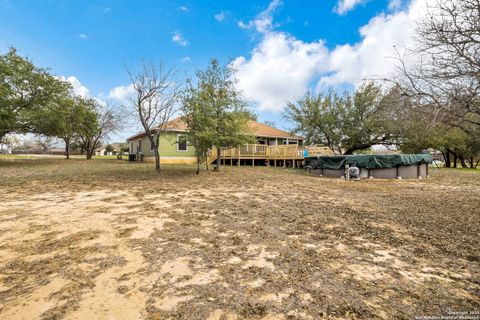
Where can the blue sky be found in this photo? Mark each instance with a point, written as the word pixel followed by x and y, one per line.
pixel 281 48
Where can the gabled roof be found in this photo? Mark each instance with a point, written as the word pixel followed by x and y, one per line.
pixel 175 125
pixel 263 130
pixel 256 128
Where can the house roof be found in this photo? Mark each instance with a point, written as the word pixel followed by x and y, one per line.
pixel 176 124
pixel 256 128
pixel 263 130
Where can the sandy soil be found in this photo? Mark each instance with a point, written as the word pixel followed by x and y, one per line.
pixel 111 241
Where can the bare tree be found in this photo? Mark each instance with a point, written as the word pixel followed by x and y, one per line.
pixel 96 122
pixel 45 142
pixel 154 101
pixel 445 72
pixel 12 141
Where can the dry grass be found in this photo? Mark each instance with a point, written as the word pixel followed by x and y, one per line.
pixel 110 239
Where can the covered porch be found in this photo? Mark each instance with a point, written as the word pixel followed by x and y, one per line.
pixel 266 155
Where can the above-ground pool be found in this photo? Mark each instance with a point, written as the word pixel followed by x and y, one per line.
pixel 383 166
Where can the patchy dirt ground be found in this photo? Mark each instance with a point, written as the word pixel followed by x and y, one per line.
pixel 111 240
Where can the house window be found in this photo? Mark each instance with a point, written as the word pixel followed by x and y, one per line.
pixel 131 147
pixel 182 143
pixel 140 145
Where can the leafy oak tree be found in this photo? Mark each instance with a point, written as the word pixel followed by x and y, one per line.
pixel 61 119
pixel 25 90
pixel 95 123
pixel 345 123
pixel 215 111
pixel 196 116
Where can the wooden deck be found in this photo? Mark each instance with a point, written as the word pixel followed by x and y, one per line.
pixel 285 155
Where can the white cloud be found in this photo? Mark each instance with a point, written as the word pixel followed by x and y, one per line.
pixel 343 6
pixel 121 93
pixel 184 8
pixel 220 16
pixel 83 36
pixel 78 88
pixel 105 9
pixel 186 59
pixel 244 25
pixel 372 56
pixel 178 38
pixel 264 21
pixel 394 5
pixel 282 68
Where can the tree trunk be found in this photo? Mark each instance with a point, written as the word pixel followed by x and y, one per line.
pixel 448 163
pixel 157 159
pixel 206 161
pixel 198 164
pixel 90 153
pixel 67 148
pixel 471 163
pixel 445 157
pixel 217 168
pixel 156 151
pixel 462 162
pixel 455 160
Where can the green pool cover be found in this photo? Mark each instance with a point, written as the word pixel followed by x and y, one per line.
pixel 368 161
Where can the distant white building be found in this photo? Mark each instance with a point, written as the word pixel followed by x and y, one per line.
pixel 102 151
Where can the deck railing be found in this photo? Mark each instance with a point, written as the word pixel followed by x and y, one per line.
pixel 271 152
pixel 261 151
pixel 285 152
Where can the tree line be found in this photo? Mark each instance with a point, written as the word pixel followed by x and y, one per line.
pixel 32 100
pixel 431 101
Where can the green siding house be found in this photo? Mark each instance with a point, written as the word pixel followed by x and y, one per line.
pixel 174 147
